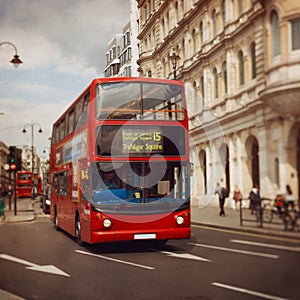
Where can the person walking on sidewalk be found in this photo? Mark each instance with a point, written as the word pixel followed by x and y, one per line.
pixel 237 197
pixel 255 201
pixel 222 192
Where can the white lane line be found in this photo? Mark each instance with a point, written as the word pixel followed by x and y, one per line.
pixel 185 256
pixel 115 260
pixel 237 251
pixel 281 247
pixel 245 291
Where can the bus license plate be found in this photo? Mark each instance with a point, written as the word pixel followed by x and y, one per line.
pixel 147 236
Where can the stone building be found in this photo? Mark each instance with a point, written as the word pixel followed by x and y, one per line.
pixel 240 61
pixel 5 178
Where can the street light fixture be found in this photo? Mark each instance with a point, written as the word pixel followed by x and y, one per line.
pixel 32 140
pixel 174 59
pixel 16 61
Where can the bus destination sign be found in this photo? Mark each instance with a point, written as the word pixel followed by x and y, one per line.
pixel 142 140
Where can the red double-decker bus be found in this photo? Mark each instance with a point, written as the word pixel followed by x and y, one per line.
pixel 24 183
pixel 119 167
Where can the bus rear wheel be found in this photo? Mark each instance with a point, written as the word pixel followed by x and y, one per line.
pixel 56 220
pixel 78 231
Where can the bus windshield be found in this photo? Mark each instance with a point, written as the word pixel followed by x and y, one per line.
pixel 139 101
pixel 139 182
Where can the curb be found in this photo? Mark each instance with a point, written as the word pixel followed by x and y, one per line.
pixel 261 231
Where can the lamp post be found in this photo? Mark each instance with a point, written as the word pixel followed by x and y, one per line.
pixel 174 59
pixel 31 125
pixel 16 61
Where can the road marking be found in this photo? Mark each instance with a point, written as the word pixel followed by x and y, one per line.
pixel 237 251
pixel 115 260
pixel 185 256
pixel 34 267
pixel 245 291
pixel 244 233
pixel 281 247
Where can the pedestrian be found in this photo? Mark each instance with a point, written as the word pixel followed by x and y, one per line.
pixel 33 192
pixel 237 197
pixel 289 199
pixel 222 192
pixel 255 200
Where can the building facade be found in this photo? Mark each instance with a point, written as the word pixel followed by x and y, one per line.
pixel 122 50
pixel 240 61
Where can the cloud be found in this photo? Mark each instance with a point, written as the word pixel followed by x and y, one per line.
pixel 60 32
pixel 63 45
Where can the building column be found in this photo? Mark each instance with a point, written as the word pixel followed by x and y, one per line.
pixel 265 163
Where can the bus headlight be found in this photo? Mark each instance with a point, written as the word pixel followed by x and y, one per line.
pixel 107 223
pixel 179 220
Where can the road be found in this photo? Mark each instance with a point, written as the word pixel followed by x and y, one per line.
pixel 37 262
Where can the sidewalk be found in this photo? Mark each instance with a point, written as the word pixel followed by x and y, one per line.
pixel 209 216
pixel 25 211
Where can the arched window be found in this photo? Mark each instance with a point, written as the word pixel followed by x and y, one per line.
pixel 214 23
pixel 183 49
pixel 216 85
pixel 223 9
pixel 202 89
pixel 195 96
pixel 275 33
pixel 149 73
pixel 253 60
pixel 240 7
pixel 276 171
pixel 201 33
pixel 194 41
pixel 241 68
pixel 176 12
pixel 224 75
pixel 295 34
pixel 162 29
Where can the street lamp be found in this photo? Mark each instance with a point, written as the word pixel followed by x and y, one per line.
pixel 174 59
pixel 16 61
pixel 31 125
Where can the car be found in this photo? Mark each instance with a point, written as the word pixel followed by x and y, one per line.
pixel 45 200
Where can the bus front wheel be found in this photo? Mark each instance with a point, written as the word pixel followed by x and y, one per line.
pixel 78 231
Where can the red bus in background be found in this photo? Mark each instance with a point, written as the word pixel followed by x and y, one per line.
pixel 24 182
pixel 119 167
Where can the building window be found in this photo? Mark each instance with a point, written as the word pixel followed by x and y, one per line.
pixel 149 73
pixel 194 41
pixel 241 68
pixel 240 7
pixel 275 33
pixel 276 171
pixel 214 23
pixel 216 86
pixel 224 75
pixel 295 34
pixel 183 50
pixel 202 89
pixel 253 60
pixel 223 8
pixel 201 33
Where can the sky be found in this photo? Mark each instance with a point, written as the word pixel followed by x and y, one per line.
pixel 63 45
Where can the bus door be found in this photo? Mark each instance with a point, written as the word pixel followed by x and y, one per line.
pixel 84 199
